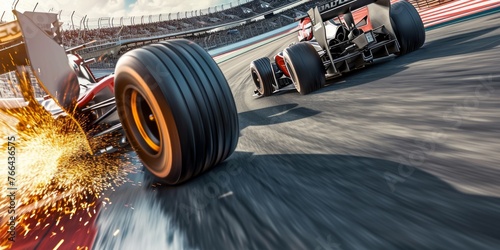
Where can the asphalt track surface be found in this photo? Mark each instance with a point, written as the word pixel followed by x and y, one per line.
pixel 403 154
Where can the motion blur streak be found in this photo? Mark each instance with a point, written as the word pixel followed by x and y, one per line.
pixel 400 155
pixel 342 167
pixel 147 226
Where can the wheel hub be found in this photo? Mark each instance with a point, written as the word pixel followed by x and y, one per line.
pixel 146 124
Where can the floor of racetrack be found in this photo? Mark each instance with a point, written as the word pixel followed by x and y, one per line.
pixel 398 155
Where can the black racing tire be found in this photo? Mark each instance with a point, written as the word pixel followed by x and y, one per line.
pixel 408 27
pixel 305 67
pixel 176 108
pixel 263 76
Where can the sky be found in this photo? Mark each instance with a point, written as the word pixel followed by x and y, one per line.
pixel 109 8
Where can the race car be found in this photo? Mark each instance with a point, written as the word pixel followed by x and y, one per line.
pixel 331 43
pixel 170 99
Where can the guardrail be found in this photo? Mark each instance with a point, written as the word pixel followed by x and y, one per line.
pixel 256 39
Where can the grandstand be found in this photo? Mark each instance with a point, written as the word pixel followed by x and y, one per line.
pixel 212 28
pixel 108 29
pixel 215 27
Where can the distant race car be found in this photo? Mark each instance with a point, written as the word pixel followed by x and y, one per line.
pixel 170 99
pixel 331 43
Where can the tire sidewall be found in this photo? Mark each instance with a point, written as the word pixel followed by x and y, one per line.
pixel 264 75
pixel 305 67
pixel 412 35
pixel 168 156
pixel 291 70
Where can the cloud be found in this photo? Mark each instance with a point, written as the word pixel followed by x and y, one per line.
pixel 94 9
pixel 91 8
pixel 112 8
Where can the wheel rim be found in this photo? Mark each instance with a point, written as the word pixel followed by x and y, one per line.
pixel 145 121
pixel 256 79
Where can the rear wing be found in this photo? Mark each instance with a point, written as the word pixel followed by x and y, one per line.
pixel 378 11
pixel 336 8
pixel 27 49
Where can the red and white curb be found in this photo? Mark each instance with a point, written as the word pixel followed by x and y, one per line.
pixel 454 10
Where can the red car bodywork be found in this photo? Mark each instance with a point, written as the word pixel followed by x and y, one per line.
pixel 100 84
